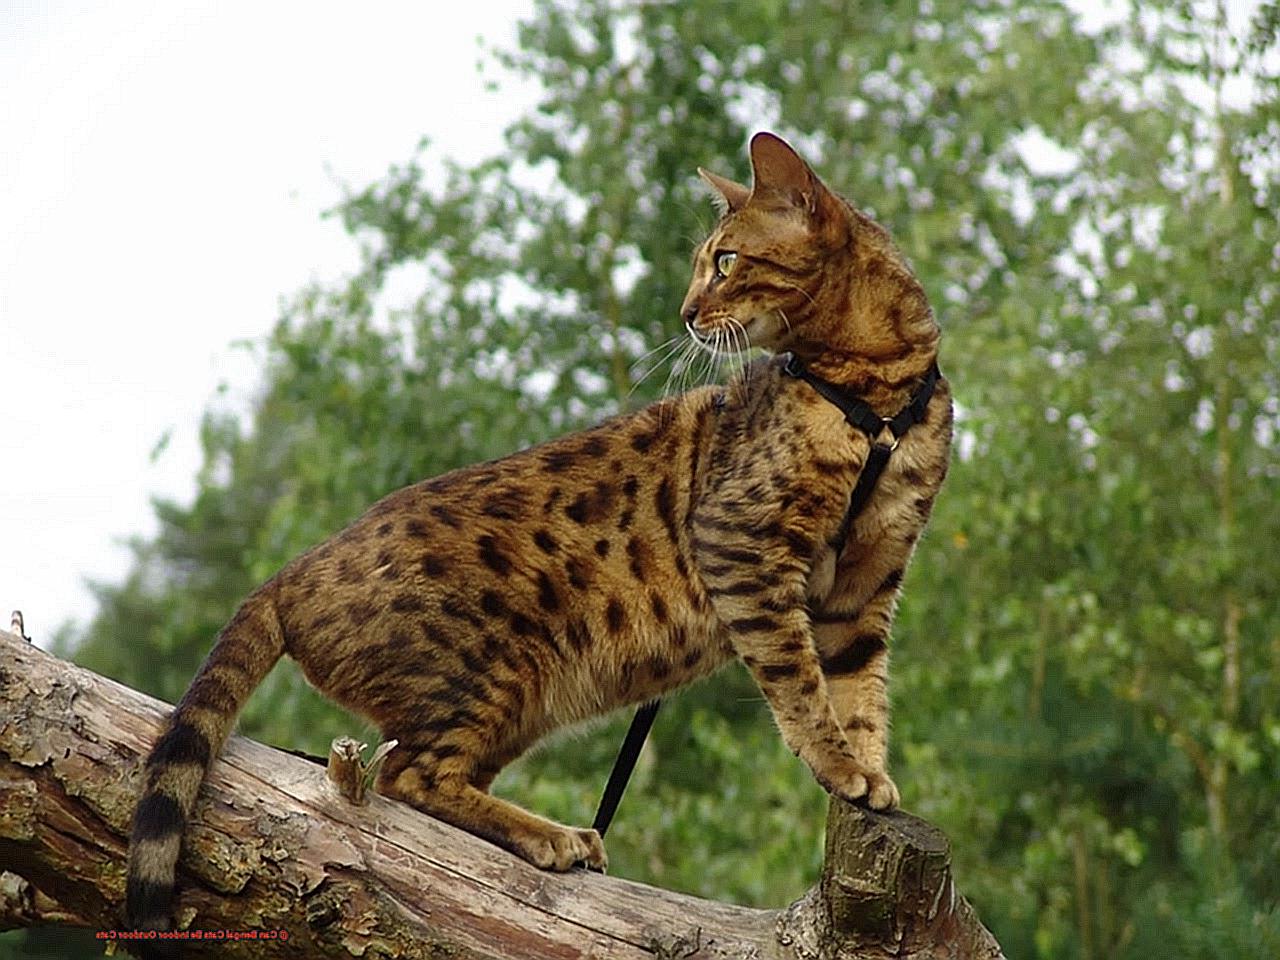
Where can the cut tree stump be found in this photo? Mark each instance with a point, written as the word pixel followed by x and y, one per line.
pixel 274 851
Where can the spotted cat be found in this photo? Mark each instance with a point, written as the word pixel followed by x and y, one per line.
pixel 471 614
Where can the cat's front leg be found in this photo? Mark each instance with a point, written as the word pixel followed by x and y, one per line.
pixel 770 631
pixel 851 633
pixel 855 663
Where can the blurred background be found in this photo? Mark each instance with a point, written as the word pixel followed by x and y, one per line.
pixel 1087 657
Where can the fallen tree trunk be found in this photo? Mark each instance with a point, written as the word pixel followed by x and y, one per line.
pixel 276 856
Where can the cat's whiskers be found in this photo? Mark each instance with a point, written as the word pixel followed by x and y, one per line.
pixel 744 362
pixel 741 345
pixel 783 315
pixel 738 351
pixel 714 357
pixel 793 286
pixel 682 369
pixel 680 350
pixel 668 348
pixel 669 345
pixel 731 355
pixel 674 369
pixel 715 351
pixel 696 362
pixel 724 352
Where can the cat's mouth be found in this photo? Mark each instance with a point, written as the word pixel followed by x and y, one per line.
pixel 724 339
pixel 701 336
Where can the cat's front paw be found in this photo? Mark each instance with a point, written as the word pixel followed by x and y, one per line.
pixel 856 784
pixel 843 779
pixel 559 848
pixel 882 792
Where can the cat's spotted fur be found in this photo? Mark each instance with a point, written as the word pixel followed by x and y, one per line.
pixel 471 614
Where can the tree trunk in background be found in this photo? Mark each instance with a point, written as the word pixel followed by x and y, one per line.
pixel 272 848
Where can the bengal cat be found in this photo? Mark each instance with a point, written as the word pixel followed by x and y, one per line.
pixel 471 614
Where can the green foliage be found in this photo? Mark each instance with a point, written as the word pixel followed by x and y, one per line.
pixel 1087 668
pixel 717 805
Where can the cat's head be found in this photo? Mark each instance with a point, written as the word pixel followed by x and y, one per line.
pixel 792 266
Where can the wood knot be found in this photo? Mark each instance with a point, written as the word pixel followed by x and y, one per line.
pixel 676 946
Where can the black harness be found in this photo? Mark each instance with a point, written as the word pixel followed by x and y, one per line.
pixel 858 413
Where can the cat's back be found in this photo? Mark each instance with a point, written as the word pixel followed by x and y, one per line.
pixel 578 538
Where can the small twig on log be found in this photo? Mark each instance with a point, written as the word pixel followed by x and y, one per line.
pixel 349 773
pixel 15 625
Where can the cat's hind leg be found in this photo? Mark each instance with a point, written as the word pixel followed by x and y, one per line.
pixel 446 794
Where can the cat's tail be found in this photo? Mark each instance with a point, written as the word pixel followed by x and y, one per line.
pixel 247 649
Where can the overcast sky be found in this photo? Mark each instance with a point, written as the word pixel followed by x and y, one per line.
pixel 163 167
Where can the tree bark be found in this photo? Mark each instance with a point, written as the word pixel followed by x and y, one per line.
pixel 274 851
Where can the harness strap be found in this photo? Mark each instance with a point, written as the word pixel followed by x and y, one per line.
pixel 877 460
pixel 858 412
pixel 860 415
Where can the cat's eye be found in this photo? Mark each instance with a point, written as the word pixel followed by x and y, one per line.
pixel 725 262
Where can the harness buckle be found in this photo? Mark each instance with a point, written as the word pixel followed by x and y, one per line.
pixel 886 426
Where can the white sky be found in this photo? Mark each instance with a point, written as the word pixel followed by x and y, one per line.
pixel 163 167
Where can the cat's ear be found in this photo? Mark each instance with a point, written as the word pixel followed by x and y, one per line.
pixel 730 196
pixel 779 169
pixel 781 174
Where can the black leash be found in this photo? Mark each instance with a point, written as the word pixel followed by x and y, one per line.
pixel 626 762
pixel 860 415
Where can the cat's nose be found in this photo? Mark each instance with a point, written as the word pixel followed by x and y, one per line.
pixel 690 313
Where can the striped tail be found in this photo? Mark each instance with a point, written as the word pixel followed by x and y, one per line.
pixel 247 649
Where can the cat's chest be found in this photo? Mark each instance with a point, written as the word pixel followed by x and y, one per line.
pixel 895 511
